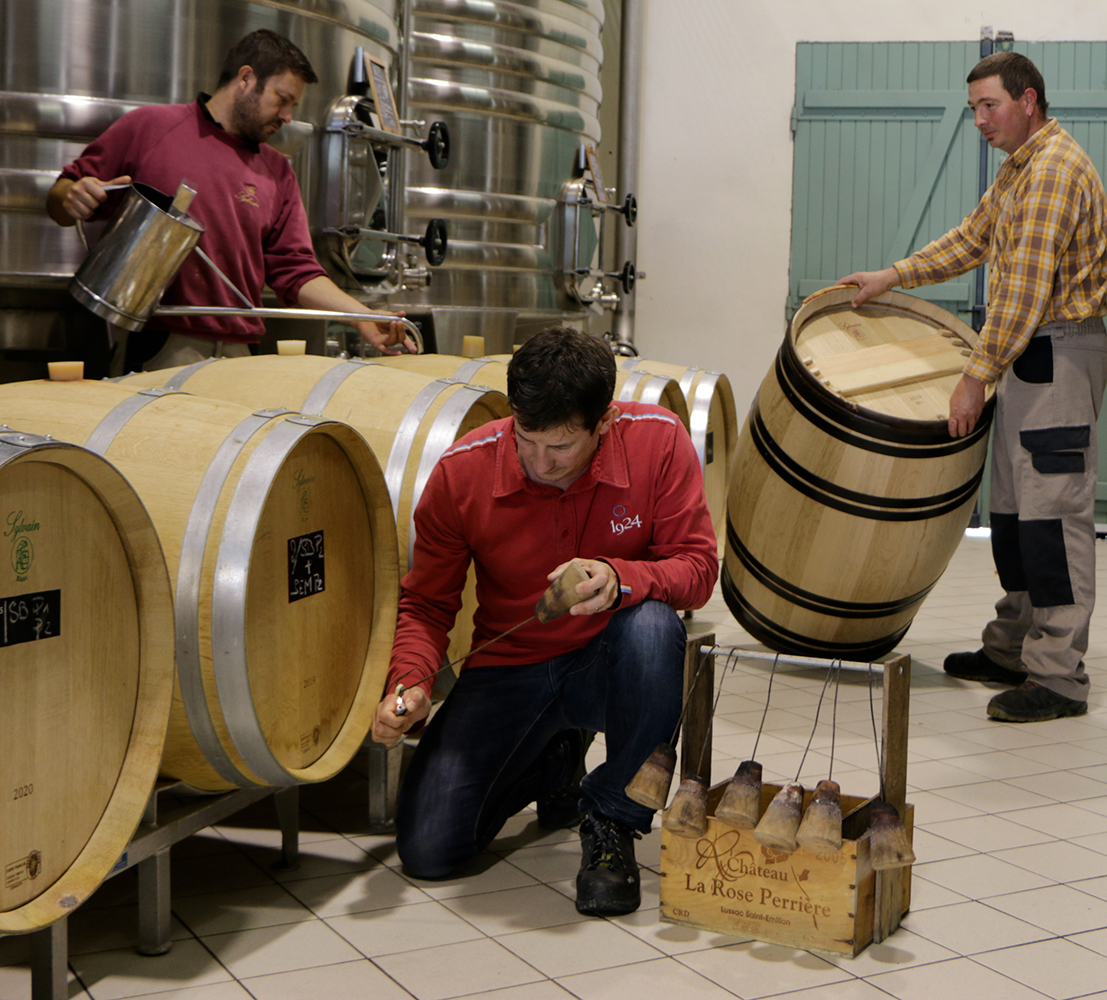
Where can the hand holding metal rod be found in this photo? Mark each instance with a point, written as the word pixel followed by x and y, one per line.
pixel 559 597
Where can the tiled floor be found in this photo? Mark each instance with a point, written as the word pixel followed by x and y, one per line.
pixel 1009 897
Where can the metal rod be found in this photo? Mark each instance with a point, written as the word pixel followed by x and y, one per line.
pixel 222 277
pixel 374 234
pixel 813 661
pixel 397 156
pixel 262 312
pixel 453 663
pixel 979 308
pixel 379 135
pixel 630 97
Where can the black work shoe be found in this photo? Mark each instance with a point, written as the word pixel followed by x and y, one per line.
pixel 979 666
pixel 1033 703
pixel 561 810
pixel 607 883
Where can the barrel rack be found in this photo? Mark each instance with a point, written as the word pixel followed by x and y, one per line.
pixel 148 851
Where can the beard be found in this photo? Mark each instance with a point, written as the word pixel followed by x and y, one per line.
pixel 248 122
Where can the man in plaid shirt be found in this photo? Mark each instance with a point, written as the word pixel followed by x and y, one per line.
pixel 1042 228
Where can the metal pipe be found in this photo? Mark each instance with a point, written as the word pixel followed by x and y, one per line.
pixel 376 135
pixel 326 314
pixel 630 87
pixel 979 308
pixel 397 167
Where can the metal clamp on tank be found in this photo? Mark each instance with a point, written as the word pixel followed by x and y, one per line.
pixel 361 151
pixel 582 202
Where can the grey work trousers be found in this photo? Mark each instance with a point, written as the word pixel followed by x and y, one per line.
pixel 1043 485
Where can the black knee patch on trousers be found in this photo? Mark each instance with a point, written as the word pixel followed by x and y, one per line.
pixel 1007 551
pixel 1047 568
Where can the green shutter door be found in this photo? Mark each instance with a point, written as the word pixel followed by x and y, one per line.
pixel 885 159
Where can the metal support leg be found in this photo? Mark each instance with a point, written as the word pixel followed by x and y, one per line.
pixel 287 801
pixel 50 962
pixel 154 904
pixel 384 785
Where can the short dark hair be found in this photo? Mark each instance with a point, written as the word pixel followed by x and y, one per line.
pixel 267 54
pixel 1016 73
pixel 561 377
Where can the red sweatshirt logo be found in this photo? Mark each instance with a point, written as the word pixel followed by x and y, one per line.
pixel 623 521
pixel 248 195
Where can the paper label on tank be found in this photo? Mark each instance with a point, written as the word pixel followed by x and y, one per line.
pixel 30 617
pixel 306 572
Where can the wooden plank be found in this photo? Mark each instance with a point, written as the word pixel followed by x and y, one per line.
pixel 888 365
pixel 891 884
pixel 699 685
pixel 725 882
pixel 923 401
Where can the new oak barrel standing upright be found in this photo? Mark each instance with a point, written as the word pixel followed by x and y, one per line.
pixel 86 673
pixel 279 538
pixel 849 496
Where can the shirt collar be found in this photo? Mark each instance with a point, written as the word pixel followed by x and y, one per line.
pixel 1021 155
pixel 609 466
pixel 202 102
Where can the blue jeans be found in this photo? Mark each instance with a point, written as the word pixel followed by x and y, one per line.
pixel 481 758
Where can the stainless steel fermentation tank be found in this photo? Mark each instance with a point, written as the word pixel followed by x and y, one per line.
pixel 519 86
pixel 517 83
pixel 516 86
pixel 72 67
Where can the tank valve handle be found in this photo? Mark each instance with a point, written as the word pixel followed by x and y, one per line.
pixel 628 209
pixel 434 242
pixel 437 145
pixel 627 276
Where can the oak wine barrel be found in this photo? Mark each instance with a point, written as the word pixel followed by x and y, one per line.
pixel 712 425
pixel 849 497
pixel 408 418
pixel 86 673
pixel 640 387
pixel 279 537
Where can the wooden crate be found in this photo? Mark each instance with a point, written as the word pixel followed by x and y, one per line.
pixel 728 883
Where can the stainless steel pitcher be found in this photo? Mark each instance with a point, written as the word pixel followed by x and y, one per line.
pixel 140 253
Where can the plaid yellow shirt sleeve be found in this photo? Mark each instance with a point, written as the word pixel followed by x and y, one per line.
pixel 1034 228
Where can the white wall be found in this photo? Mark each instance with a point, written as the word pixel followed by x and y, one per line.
pixel 716 169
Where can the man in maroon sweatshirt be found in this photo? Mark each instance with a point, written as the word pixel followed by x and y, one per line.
pixel 247 199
